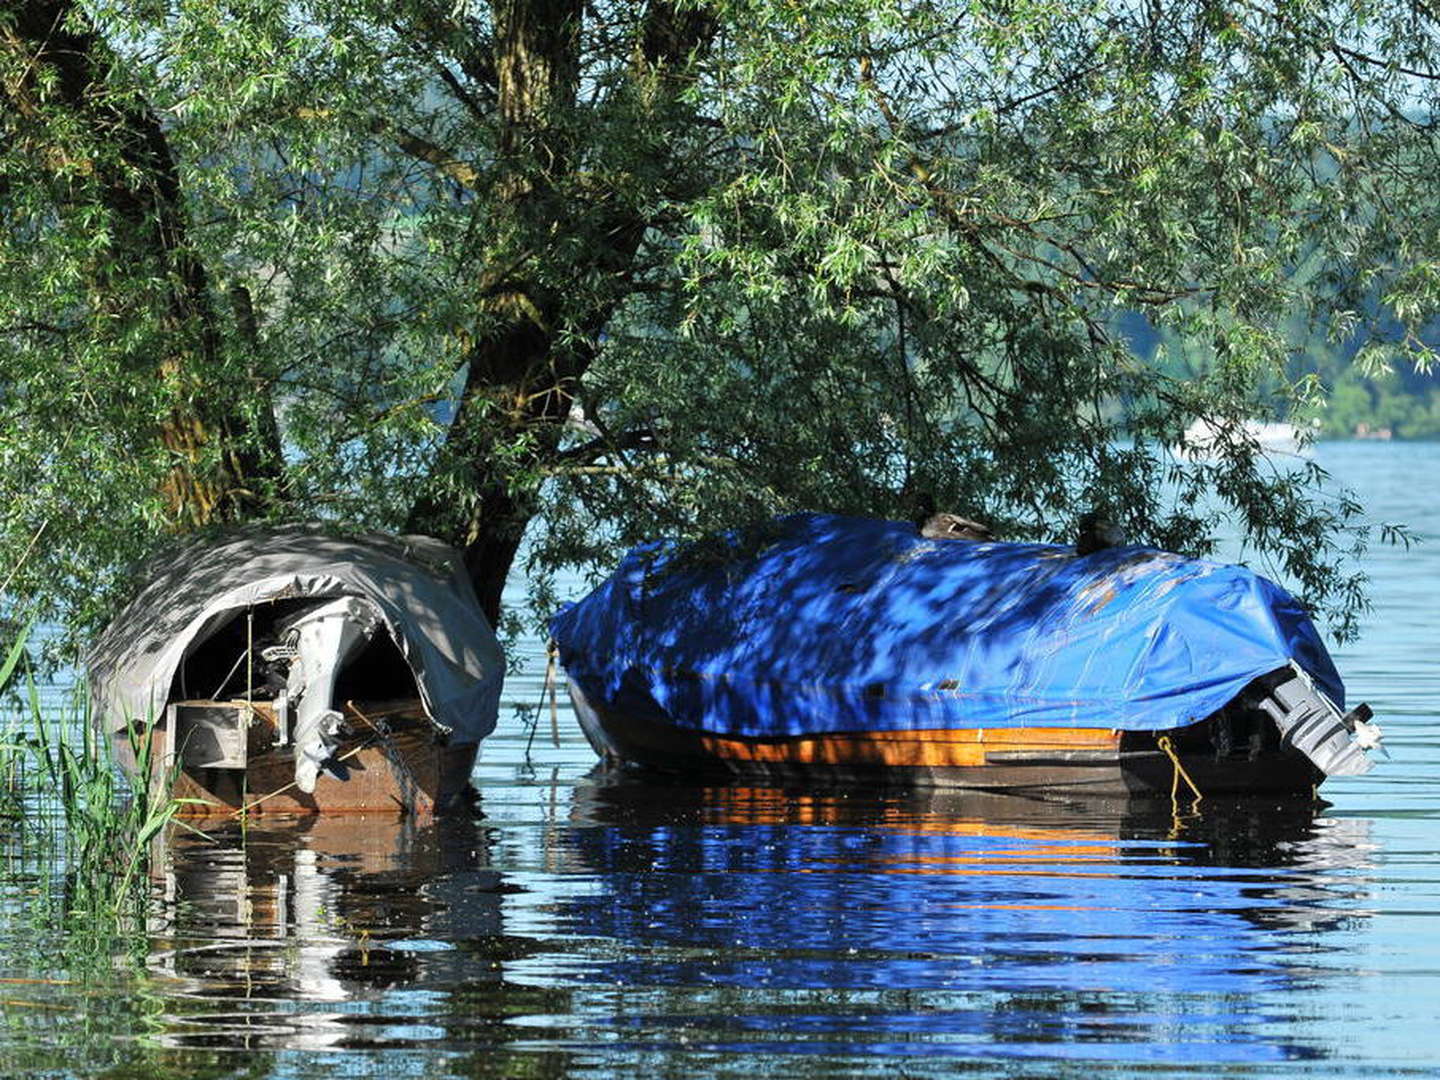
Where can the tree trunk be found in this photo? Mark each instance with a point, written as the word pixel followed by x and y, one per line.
pixel 523 373
pixel 513 392
pixel 119 149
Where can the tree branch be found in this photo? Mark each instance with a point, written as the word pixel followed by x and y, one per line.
pixel 637 439
pixel 446 163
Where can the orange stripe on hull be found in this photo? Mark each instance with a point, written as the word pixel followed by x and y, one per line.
pixel 934 749
pixel 1075 761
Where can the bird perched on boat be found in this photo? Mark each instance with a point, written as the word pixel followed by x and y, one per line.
pixel 1095 532
pixel 943 526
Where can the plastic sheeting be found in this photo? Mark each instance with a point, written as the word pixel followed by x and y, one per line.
pixel 827 624
pixel 414 583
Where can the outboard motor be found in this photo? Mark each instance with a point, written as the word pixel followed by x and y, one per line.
pixel 319 643
pixel 1310 722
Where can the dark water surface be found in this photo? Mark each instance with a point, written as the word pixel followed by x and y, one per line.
pixel 597 925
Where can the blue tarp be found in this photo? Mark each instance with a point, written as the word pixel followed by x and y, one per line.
pixel 827 624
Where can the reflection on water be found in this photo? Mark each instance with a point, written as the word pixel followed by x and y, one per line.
pixel 935 922
pixel 595 925
pixel 268 926
pixel 727 922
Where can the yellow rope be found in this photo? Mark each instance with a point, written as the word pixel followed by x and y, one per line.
pixel 1166 745
pixel 351 707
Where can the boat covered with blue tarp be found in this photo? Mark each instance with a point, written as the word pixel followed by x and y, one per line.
pixel 815 626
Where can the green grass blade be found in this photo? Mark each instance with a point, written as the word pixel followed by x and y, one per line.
pixel 16 653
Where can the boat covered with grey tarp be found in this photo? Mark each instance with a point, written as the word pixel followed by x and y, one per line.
pixel 294 624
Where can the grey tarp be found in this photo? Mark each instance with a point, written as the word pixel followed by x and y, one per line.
pixel 415 584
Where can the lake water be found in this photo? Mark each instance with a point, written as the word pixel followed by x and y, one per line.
pixel 587 925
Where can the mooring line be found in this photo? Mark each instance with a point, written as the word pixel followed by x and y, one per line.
pixel 1169 747
pixel 239 811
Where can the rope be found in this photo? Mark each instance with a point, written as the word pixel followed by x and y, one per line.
pixel 240 811
pixel 552 656
pixel 249 661
pixel 383 733
pixel 1166 745
pixel 552 663
pixel 215 694
pixel 387 744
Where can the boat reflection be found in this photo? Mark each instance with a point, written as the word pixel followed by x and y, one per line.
pixel 953 923
pixel 624 917
pixel 260 925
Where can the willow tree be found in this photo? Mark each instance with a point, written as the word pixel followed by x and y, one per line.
pixel 588 272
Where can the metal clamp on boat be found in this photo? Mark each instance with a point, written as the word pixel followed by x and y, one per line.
pixel 1311 723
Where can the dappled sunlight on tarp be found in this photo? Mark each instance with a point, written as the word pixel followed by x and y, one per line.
pixel 830 624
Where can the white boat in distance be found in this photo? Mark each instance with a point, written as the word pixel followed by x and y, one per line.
pixel 1204 439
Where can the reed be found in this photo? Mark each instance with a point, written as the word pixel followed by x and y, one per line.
pixel 66 795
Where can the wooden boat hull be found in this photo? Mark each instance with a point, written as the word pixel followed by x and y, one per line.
pixel 393 763
pixel 1065 761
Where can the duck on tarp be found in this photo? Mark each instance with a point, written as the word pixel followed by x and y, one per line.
pixel 819 623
